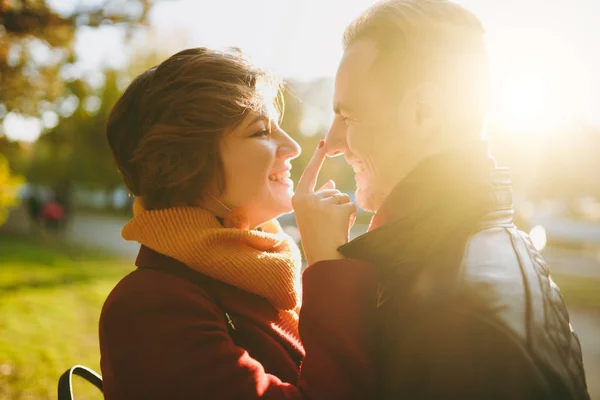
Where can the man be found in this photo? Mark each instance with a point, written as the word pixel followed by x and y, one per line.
pixel 466 308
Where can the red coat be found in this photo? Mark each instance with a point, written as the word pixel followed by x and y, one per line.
pixel 164 335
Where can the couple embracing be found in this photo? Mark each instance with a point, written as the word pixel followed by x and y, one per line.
pixel 442 298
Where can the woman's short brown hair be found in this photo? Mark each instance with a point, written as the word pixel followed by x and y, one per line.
pixel 165 130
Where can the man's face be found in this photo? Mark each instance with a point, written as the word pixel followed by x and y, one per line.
pixel 379 137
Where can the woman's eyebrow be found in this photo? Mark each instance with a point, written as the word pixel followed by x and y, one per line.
pixel 258 118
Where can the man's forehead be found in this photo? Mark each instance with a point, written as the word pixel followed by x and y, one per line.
pixel 359 57
pixel 353 77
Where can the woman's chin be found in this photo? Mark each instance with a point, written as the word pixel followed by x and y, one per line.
pixel 282 206
pixel 286 206
pixel 278 205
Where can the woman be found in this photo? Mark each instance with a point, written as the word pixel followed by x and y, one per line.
pixel 211 312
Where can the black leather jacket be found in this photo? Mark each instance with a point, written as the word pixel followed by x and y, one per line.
pixel 468 311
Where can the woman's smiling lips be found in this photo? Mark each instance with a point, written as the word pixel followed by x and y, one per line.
pixel 282 177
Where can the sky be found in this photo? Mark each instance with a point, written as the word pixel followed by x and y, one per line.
pixel 545 55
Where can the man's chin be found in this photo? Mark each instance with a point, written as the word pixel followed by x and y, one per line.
pixel 365 200
pixel 369 198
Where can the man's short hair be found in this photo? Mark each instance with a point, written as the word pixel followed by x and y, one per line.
pixel 428 40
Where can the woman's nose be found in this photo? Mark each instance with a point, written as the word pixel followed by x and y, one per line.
pixel 288 147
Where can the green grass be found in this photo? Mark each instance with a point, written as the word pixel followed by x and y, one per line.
pixel 51 295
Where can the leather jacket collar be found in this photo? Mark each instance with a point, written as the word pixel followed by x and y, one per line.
pixel 446 194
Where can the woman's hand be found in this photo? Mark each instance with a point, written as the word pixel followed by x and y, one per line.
pixel 324 217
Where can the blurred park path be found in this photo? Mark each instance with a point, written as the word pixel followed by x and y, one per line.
pixel 103 232
pixel 91 230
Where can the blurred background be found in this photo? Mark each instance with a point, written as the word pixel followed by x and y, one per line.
pixel 63 64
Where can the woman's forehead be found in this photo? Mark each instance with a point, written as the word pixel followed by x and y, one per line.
pixel 267 111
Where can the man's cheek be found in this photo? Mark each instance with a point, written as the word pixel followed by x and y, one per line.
pixel 360 142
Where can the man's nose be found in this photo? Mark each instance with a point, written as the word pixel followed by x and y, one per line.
pixel 335 140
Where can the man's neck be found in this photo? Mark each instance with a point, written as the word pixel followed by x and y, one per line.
pixel 438 160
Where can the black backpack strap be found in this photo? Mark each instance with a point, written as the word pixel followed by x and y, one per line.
pixel 65 383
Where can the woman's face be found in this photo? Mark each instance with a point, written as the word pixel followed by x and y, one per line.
pixel 256 159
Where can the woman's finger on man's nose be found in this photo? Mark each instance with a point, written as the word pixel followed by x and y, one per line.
pixel 329 185
pixel 311 172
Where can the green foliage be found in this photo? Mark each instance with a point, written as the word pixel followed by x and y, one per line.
pixel 38 74
pixel 31 84
pixel 50 301
pixel 14 152
pixel 76 149
pixel 9 187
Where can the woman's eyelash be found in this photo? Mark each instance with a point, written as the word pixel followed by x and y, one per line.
pixel 264 132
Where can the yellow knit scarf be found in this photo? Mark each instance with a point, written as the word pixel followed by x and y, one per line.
pixel 265 262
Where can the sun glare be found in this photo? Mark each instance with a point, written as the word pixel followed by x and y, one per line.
pixel 18 127
pixel 539 82
pixel 524 99
pixel 523 105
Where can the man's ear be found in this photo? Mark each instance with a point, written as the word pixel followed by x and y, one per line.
pixel 427 98
pixel 428 102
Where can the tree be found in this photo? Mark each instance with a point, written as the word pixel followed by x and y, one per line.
pixel 14 153
pixel 92 161
pixel 76 151
pixel 37 61
pixel 37 48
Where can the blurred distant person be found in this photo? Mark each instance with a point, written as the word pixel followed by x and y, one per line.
pixel 52 215
pixel 466 305
pixel 61 196
pixel 34 208
pixel 211 312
